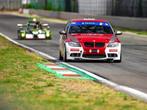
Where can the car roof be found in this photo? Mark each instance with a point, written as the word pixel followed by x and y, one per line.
pixel 88 20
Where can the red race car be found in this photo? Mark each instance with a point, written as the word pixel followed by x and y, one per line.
pixel 89 39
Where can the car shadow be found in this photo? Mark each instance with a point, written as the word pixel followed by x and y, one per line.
pixel 87 61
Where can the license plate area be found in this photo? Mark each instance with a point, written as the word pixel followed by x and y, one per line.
pixel 94 51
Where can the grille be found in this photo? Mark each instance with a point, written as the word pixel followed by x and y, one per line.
pixel 89 44
pixel 94 56
pixel 94 44
pixel 75 54
pixel 99 44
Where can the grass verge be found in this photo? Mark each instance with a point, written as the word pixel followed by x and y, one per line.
pixel 23 86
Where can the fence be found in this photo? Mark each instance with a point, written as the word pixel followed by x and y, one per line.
pixel 132 8
pixel 135 8
pixel 55 5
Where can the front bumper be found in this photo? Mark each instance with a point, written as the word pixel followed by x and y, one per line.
pixel 77 53
pixel 38 36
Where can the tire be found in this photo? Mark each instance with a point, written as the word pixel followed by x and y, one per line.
pixel 19 37
pixel 60 56
pixel 65 55
pixel 48 38
pixel 18 34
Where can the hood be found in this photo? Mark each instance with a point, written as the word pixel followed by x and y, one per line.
pixel 92 37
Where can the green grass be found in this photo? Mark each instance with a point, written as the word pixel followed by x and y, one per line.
pixel 23 86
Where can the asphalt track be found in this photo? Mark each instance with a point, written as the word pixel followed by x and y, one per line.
pixel 131 72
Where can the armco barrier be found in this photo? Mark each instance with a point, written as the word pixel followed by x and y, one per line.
pixel 127 22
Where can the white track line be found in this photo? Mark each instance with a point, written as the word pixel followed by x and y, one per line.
pixel 133 92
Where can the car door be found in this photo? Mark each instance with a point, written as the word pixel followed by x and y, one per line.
pixel 63 38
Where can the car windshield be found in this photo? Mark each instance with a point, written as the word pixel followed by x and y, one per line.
pixel 90 27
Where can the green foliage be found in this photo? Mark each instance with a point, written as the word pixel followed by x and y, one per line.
pixel 27 6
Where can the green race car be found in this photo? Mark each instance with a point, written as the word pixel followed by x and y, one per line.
pixel 34 30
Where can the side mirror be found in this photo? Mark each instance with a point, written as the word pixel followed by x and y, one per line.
pixel 118 33
pixel 62 33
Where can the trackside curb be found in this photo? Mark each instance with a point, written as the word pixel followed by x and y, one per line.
pixel 63 72
pixel 130 91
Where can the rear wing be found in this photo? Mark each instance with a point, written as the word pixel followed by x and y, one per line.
pixel 21 25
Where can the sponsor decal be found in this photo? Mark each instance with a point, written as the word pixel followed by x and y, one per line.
pixel 90 23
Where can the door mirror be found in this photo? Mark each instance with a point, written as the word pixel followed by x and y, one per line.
pixel 62 33
pixel 118 33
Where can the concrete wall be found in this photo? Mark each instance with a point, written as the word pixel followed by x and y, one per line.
pixel 127 22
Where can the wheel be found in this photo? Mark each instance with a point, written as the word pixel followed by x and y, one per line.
pixel 48 38
pixel 65 55
pixel 19 37
pixel 60 56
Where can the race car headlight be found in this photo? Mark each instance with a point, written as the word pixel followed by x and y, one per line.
pixel 114 44
pixel 74 44
pixel 22 34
